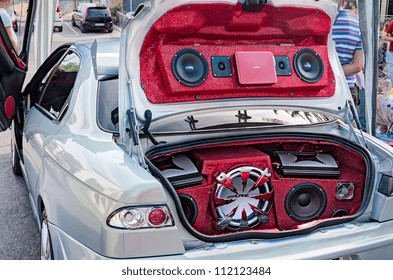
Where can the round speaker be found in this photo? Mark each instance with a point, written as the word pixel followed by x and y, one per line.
pixel 340 213
pixel 189 206
pixel 308 65
pixel 190 67
pixel 305 202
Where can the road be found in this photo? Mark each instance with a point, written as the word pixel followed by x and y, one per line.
pixel 19 236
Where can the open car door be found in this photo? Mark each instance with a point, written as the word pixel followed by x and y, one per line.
pixel 13 68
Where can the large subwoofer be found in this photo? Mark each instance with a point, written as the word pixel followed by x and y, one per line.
pixel 308 65
pixel 190 67
pixel 242 198
pixel 305 202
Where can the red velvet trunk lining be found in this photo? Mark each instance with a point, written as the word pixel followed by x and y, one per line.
pixel 221 30
pixel 213 160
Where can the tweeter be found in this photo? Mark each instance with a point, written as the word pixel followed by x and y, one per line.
pixel 221 66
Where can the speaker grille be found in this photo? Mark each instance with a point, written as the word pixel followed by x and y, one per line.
pixel 242 198
pixel 190 67
pixel 305 202
pixel 308 65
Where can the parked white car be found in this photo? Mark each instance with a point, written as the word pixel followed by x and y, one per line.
pixel 58 19
pixel 212 130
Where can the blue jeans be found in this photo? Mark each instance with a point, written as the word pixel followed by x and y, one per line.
pixel 389 65
pixel 361 109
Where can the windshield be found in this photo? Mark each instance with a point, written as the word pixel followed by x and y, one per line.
pixel 236 119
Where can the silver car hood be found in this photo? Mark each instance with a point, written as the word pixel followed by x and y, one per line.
pixel 133 102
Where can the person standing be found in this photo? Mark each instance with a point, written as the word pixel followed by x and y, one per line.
pixel 387 36
pixel 348 41
pixel 5 17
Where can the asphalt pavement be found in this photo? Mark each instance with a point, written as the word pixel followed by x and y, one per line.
pixel 19 235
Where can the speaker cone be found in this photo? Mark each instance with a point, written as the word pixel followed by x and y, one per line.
pixel 308 65
pixel 190 67
pixel 189 206
pixel 340 213
pixel 305 202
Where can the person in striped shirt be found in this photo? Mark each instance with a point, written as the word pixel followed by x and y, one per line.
pixel 387 36
pixel 347 37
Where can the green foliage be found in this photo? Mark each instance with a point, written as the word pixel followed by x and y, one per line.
pixel 114 9
pixel 70 67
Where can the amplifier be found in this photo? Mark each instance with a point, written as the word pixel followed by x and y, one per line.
pixel 306 164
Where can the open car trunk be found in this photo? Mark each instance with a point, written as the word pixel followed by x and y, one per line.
pixel 194 57
pixel 264 187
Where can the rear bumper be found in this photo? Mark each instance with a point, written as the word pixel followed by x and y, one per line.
pixel 97 25
pixel 58 23
pixel 356 241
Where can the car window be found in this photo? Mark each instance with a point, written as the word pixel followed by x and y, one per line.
pixel 59 86
pixel 107 105
pixel 98 12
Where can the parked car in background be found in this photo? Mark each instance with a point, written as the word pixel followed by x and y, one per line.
pixel 215 129
pixel 14 19
pixel 58 20
pixel 92 16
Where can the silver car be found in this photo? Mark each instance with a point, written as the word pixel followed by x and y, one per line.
pixel 217 129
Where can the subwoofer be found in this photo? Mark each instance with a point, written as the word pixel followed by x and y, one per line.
pixel 190 67
pixel 242 199
pixel 308 65
pixel 305 202
pixel 189 206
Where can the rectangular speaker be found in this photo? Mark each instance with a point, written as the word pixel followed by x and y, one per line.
pixel 256 67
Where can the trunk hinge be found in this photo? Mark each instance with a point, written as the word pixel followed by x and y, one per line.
pixel 145 129
pixel 253 5
pixel 135 147
pixel 353 118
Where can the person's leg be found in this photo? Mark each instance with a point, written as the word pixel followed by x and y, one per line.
pixel 389 65
pixel 362 109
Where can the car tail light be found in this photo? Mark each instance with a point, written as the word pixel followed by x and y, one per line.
pixel 86 13
pixel 157 217
pixel 109 12
pixel 140 217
